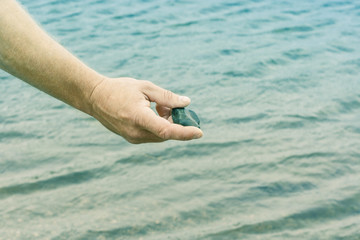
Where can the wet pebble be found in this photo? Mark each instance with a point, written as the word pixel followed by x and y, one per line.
pixel 185 117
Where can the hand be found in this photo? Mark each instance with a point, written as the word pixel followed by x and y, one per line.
pixel 123 106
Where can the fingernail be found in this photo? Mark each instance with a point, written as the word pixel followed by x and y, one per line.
pixel 184 99
pixel 198 135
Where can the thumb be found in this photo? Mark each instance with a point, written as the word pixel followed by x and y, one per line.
pixel 165 97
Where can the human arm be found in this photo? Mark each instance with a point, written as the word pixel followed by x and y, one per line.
pixel 122 105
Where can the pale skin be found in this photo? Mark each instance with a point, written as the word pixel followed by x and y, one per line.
pixel 121 104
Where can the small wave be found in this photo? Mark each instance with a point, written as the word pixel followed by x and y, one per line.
pixel 247 119
pixel 239 12
pixel 354 62
pixel 311 155
pixel 308 218
pixel 340 48
pixel 220 7
pixel 338 107
pixel 283 188
pixel 192 150
pixel 257 69
pixel 59 106
pixel 336 4
pixel 296 54
pixel 52 183
pixel 324 23
pixel 348 106
pixel 121 63
pixel 5 136
pixel 296 12
pixel 185 24
pixel 136 14
pixel 288 84
pixel 309 118
pixel 198 215
pixel 275 61
pixel 244 74
pixel 287 125
pixel 68 30
pixel 228 52
pixel 294 29
pixel 353 129
pixel 74 14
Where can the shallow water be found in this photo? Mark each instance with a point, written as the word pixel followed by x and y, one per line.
pixel 276 85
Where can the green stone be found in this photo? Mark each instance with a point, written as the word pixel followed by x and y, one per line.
pixel 185 117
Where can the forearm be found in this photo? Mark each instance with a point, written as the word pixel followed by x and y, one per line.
pixel 28 53
pixel 122 105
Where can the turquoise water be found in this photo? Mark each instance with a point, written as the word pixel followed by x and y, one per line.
pixel 276 85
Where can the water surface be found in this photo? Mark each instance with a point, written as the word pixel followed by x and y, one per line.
pixel 276 85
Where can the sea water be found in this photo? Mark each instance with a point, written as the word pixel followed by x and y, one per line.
pixel 276 84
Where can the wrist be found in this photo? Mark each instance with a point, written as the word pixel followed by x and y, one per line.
pixel 86 103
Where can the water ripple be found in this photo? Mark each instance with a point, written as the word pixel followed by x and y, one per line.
pixel 311 156
pixel 228 52
pixel 305 219
pixel 277 89
pixel 295 54
pixel 295 29
pixel 283 188
pixel 247 119
pixel 185 24
pixel 6 136
pixel 50 183
pixel 201 149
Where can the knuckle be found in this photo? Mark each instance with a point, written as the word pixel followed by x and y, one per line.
pixel 122 116
pixel 137 120
pixel 147 84
pixel 168 95
pixel 164 133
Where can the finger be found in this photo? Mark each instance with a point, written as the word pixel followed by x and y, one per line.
pixel 166 130
pixel 133 134
pixel 165 97
pixel 144 137
pixel 163 111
